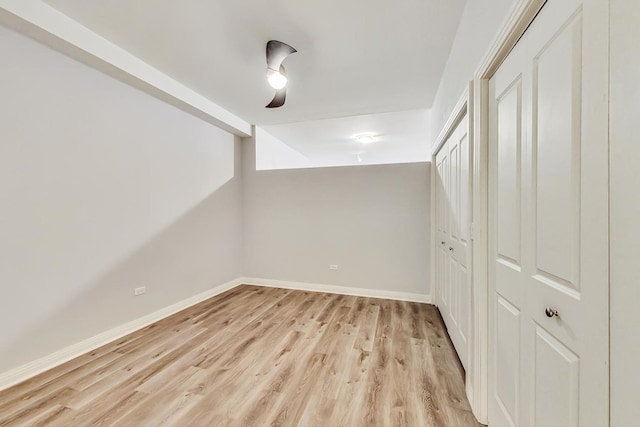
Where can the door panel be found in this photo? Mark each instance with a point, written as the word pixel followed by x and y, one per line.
pixel 548 222
pixel 441 216
pixel 509 143
pixel 454 199
pixel 461 248
pixel 507 296
pixel 507 362
pixel 465 199
pixel 452 284
pixel 443 275
pixel 559 383
pixel 453 249
pixel 557 89
pixel 464 316
pixel 454 214
pixel 438 185
pixel 446 203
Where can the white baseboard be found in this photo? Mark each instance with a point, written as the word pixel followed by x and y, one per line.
pixel 333 289
pixel 31 369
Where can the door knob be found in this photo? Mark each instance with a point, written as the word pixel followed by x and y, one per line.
pixel 550 312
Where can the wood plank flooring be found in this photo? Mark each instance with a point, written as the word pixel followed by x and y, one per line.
pixel 260 356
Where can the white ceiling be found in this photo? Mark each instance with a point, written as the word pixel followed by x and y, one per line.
pixel 398 138
pixel 355 56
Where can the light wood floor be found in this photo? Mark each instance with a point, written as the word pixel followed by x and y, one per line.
pixel 260 356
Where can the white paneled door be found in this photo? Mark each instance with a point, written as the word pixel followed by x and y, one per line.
pixel 548 222
pixel 452 231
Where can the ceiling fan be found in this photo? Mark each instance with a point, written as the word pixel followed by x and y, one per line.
pixel 277 52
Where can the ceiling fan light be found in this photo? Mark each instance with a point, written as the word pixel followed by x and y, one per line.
pixel 276 79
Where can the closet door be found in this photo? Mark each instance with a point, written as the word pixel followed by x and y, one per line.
pixel 453 253
pixel 548 230
pixel 442 230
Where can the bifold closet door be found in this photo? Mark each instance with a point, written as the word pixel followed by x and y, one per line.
pixel 453 295
pixel 548 222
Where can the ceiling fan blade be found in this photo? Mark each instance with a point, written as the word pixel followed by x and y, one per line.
pixel 278 100
pixel 277 51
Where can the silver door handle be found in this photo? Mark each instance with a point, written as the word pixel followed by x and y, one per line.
pixel 550 312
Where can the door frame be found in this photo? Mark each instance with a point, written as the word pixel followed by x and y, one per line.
pixel 521 16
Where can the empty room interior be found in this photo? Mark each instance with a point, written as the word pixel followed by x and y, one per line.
pixel 319 213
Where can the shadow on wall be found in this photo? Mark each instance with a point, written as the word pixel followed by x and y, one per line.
pixel 199 250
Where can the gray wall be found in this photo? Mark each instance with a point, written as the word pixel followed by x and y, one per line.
pixel 102 189
pixel 371 221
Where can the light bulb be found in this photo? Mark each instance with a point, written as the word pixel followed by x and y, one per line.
pixel 276 79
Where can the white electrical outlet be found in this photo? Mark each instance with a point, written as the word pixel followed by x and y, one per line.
pixel 333 267
pixel 139 291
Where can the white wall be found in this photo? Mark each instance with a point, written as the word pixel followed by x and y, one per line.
pixel 478 28
pixel 625 213
pixel 271 153
pixel 102 189
pixel 371 221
